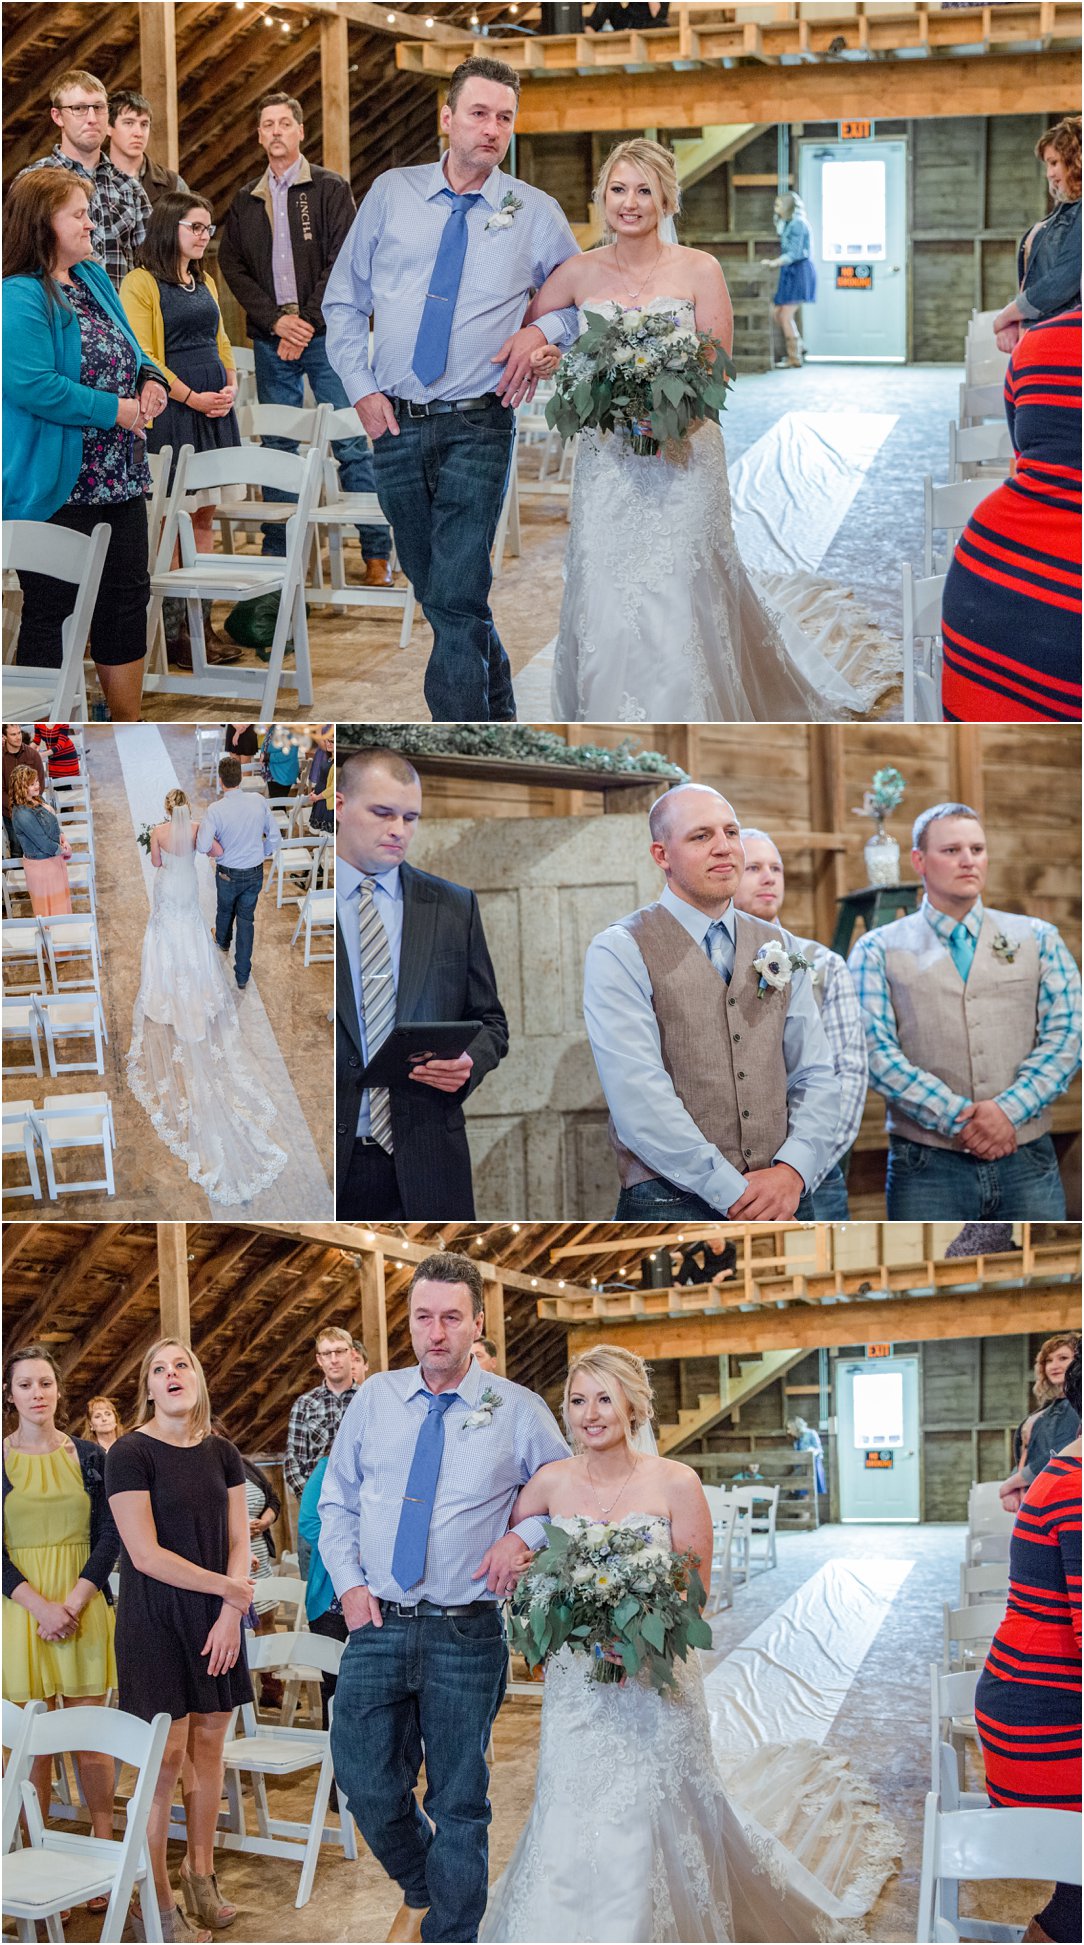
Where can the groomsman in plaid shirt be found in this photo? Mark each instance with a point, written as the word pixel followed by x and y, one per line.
pixel 119 205
pixel 760 893
pixel 973 1030
pixel 315 1417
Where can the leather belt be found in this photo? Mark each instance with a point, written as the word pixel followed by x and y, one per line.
pixel 413 409
pixel 423 1609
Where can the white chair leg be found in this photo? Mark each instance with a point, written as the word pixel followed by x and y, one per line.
pixel 316 1832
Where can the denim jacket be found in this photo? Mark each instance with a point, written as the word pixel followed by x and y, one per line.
pixel 38 831
pixel 1051 282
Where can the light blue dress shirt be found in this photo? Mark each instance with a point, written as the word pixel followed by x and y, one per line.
pixel 648 1113
pixel 483 1467
pixel 243 825
pixel 384 266
pixel 388 898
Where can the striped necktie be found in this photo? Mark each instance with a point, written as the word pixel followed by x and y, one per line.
pixel 377 1003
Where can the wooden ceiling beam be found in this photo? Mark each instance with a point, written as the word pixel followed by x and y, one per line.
pixel 250 1341
pixel 88 1339
pixel 59 1286
pixel 920 1319
pixel 376 20
pixel 17 1237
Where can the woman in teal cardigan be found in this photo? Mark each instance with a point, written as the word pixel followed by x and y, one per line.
pixel 77 395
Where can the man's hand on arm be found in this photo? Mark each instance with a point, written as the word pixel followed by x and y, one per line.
pixel 447 1075
pixel 518 379
pixel 986 1131
pixel 502 1565
pixel 771 1195
pixel 360 1609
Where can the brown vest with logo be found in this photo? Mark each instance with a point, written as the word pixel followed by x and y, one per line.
pixel 722 1046
pixel 976 1037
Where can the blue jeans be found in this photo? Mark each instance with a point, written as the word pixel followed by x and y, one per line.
pixel 659 1201
pixel 237 895
pixel 441 483
pixel 830 1198
pixel 432 1683
pixel 928 1184
pixel 279 382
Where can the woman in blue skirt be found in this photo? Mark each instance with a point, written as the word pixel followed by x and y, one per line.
pixel 797 277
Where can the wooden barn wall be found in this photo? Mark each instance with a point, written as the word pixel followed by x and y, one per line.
pixel 974 187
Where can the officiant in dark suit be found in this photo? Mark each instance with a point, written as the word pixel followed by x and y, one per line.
pixel 409 946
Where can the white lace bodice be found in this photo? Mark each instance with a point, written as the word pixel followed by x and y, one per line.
pixel 610 306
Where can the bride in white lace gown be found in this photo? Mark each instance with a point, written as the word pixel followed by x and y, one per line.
pixel 187 1064
pixel 660 621
pixel 631 1835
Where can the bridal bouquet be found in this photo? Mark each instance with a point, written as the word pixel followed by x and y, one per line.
pixel 613 1594
pixel 642 372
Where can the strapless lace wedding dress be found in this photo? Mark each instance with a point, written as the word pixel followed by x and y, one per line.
pixel 187 1064
pixel 632 1837
pixel 660 621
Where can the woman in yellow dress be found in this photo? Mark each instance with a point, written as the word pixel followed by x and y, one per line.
pixel 60 1546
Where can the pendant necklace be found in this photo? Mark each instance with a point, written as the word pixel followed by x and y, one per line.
pixel 605 1511
pixel 644 281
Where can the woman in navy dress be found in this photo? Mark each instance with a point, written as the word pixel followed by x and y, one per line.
pixel 797 277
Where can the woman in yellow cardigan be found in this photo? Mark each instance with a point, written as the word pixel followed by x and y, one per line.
pixel 172 305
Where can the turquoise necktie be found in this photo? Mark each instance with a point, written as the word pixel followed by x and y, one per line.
pixel 962 948
pixel 435 330
pixel 718 947
pixel 412 1537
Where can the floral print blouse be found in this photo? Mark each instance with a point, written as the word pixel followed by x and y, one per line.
pixel 114 462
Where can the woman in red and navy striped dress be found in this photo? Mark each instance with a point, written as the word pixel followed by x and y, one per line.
pixel 1010 617
pixel 1027 1703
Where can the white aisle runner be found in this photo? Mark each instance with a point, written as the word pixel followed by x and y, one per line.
pixel 302 1190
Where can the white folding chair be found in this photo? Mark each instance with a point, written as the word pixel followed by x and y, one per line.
pixel 75 1121
pixel 237 577
pixel 948 509
pixel 336 515
pixel 922 648
pixel 244 360
pixel 264 1750
pixel 21 1021
pixel 317 915
pixel 16 896
pixel 305 426
pixel 979 402
pixel 975 1846
pixel 72 1016
pixel 289 1592
pixel 72 937
pixel 61 1868
pixel 724 1511
pixel 210 744
pixel 19 1140
pixel 81 886
pixel 989 1525
pixel 987 1583
pixel 975 446
pixel 763 1503
pixel 36 546
pixel 23 952
pixel 297 860
pixel 952 1728
pixel 967 1633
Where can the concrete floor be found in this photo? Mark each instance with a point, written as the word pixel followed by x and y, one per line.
pixel 882 1727
pixel 361 674
pixel 293 1050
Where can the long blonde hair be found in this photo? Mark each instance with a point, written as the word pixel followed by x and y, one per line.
pixel 200 1417
pixel 628 1380
pixel 655 162
pixel 1063 1340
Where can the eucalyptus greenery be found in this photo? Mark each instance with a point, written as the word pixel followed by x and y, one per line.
pixel 643 372
pixel 508 742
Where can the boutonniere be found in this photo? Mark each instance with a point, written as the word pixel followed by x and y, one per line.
pixel 777 967
pixel 483 1411
pixel 505 215
pixel 1006 948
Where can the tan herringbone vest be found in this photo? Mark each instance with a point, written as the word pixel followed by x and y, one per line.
pixel 722 1046
pixel 974 1037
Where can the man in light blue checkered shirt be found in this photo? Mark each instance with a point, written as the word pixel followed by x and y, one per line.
pixel 760 893
pixel 972 1023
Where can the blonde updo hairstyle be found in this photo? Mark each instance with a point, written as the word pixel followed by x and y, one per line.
pixel 176 800
pixel 655 162
pixel 626 1378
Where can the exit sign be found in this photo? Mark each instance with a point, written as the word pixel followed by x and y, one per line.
pixel 878 1350
pixel 856 131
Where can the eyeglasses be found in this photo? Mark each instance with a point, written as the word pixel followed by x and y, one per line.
pixel 199 229
pixel 81 109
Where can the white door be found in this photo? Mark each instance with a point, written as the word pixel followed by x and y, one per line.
pixel 877 1451
pixel 855 195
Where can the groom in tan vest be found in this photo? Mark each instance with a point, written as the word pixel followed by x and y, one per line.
pixel 708 1042
pixel 973 1030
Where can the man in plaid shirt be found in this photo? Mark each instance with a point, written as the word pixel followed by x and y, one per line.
pixel 761 893
pixel 119 206
pixel 972 1023
pixel 315 1417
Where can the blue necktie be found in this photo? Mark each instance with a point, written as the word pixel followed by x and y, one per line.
pixel 719 949
pixel 412 1537
pixel 435 329
pixel 962 948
